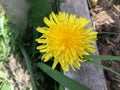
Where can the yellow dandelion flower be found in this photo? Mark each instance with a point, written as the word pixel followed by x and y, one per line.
pixel 66 39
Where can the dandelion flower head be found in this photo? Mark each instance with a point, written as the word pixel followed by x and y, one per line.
pixel 66 39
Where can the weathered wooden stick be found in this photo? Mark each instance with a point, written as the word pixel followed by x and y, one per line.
pixel 89 75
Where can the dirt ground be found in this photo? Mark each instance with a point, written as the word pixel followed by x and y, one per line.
pixel 106 18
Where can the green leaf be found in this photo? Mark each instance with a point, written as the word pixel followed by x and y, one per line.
pixel 30 2
pixel 2 76
pixel 102 57
pixel 104 67
pixel 61 78
pixel 38 11
pixel 105 34
pixel 28 63
pixel 6 86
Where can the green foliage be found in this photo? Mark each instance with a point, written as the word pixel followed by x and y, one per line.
pixel 102 57
pixel 8 35
pixel 105 34
pixel 30 2
pixel 5 86
pixel 2 77
pixel 61 78
pixel 4 39
pixel 104 67
pixel 38 11
pixel 28 62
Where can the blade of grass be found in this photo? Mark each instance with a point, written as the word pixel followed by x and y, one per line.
pixel 104 67
pixel 27 60
pixel 61 78
pixel 102 57
pixel 61 87
pixel 108 33
pixel 105 34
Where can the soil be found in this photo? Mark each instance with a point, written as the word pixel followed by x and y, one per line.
pixel 106 20
pixel 17 73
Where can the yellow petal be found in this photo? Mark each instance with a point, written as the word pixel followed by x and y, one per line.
pixel 43 50
pixel 72 18
pixel 41 30
pixel 47 21
pixel 55 63
pixel 89 29
pixel 54 17
pixel 47 56
pixel 41 47
pixel 41 40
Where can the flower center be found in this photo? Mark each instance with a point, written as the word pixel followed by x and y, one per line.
pixel 67 38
